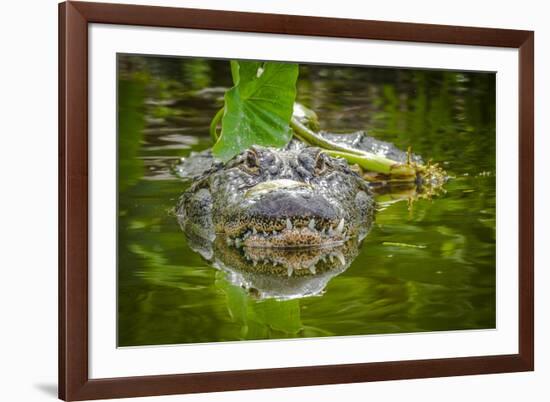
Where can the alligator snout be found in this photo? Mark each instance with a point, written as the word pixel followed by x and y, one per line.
pixel 296 204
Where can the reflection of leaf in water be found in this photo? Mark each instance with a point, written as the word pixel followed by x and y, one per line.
pixel 259 318
pixel 279 315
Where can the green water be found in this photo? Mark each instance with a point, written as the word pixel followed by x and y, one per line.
pixel 168 294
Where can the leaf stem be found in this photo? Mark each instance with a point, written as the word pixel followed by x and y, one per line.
pixel 312 138
pixel 214 124
pixel 366 160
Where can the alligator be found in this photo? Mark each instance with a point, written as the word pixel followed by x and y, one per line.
pixel 269 215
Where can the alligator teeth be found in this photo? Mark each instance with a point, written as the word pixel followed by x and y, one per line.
pixel 238 242
pixel 228 241
pixel 341 257
pixel 254 231
pixel 311 224
pixel 312 269
pixel 289 271
pixel 274 233
pixel 340 226
pixel 254 262
pixel 288 224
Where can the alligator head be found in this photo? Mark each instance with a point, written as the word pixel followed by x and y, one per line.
pixel 291 198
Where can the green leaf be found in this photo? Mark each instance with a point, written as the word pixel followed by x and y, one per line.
pixel 235 71
pixel 258 108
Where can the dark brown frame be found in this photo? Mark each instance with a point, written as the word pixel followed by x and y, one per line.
pixel 74 383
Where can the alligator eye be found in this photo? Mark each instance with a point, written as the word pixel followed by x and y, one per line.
pixel 250 161
pixel 320 165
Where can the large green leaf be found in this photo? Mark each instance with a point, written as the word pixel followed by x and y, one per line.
pixel 258 108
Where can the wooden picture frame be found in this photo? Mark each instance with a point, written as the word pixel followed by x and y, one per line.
pixel 74 381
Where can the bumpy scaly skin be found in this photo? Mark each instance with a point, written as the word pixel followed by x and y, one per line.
pixel 295 197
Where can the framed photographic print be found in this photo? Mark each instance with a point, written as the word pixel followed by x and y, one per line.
pixel 259 200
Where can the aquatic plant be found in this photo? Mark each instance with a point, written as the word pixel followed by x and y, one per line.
pixel 259 110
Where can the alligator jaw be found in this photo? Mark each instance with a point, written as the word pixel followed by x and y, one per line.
pixel 292 233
